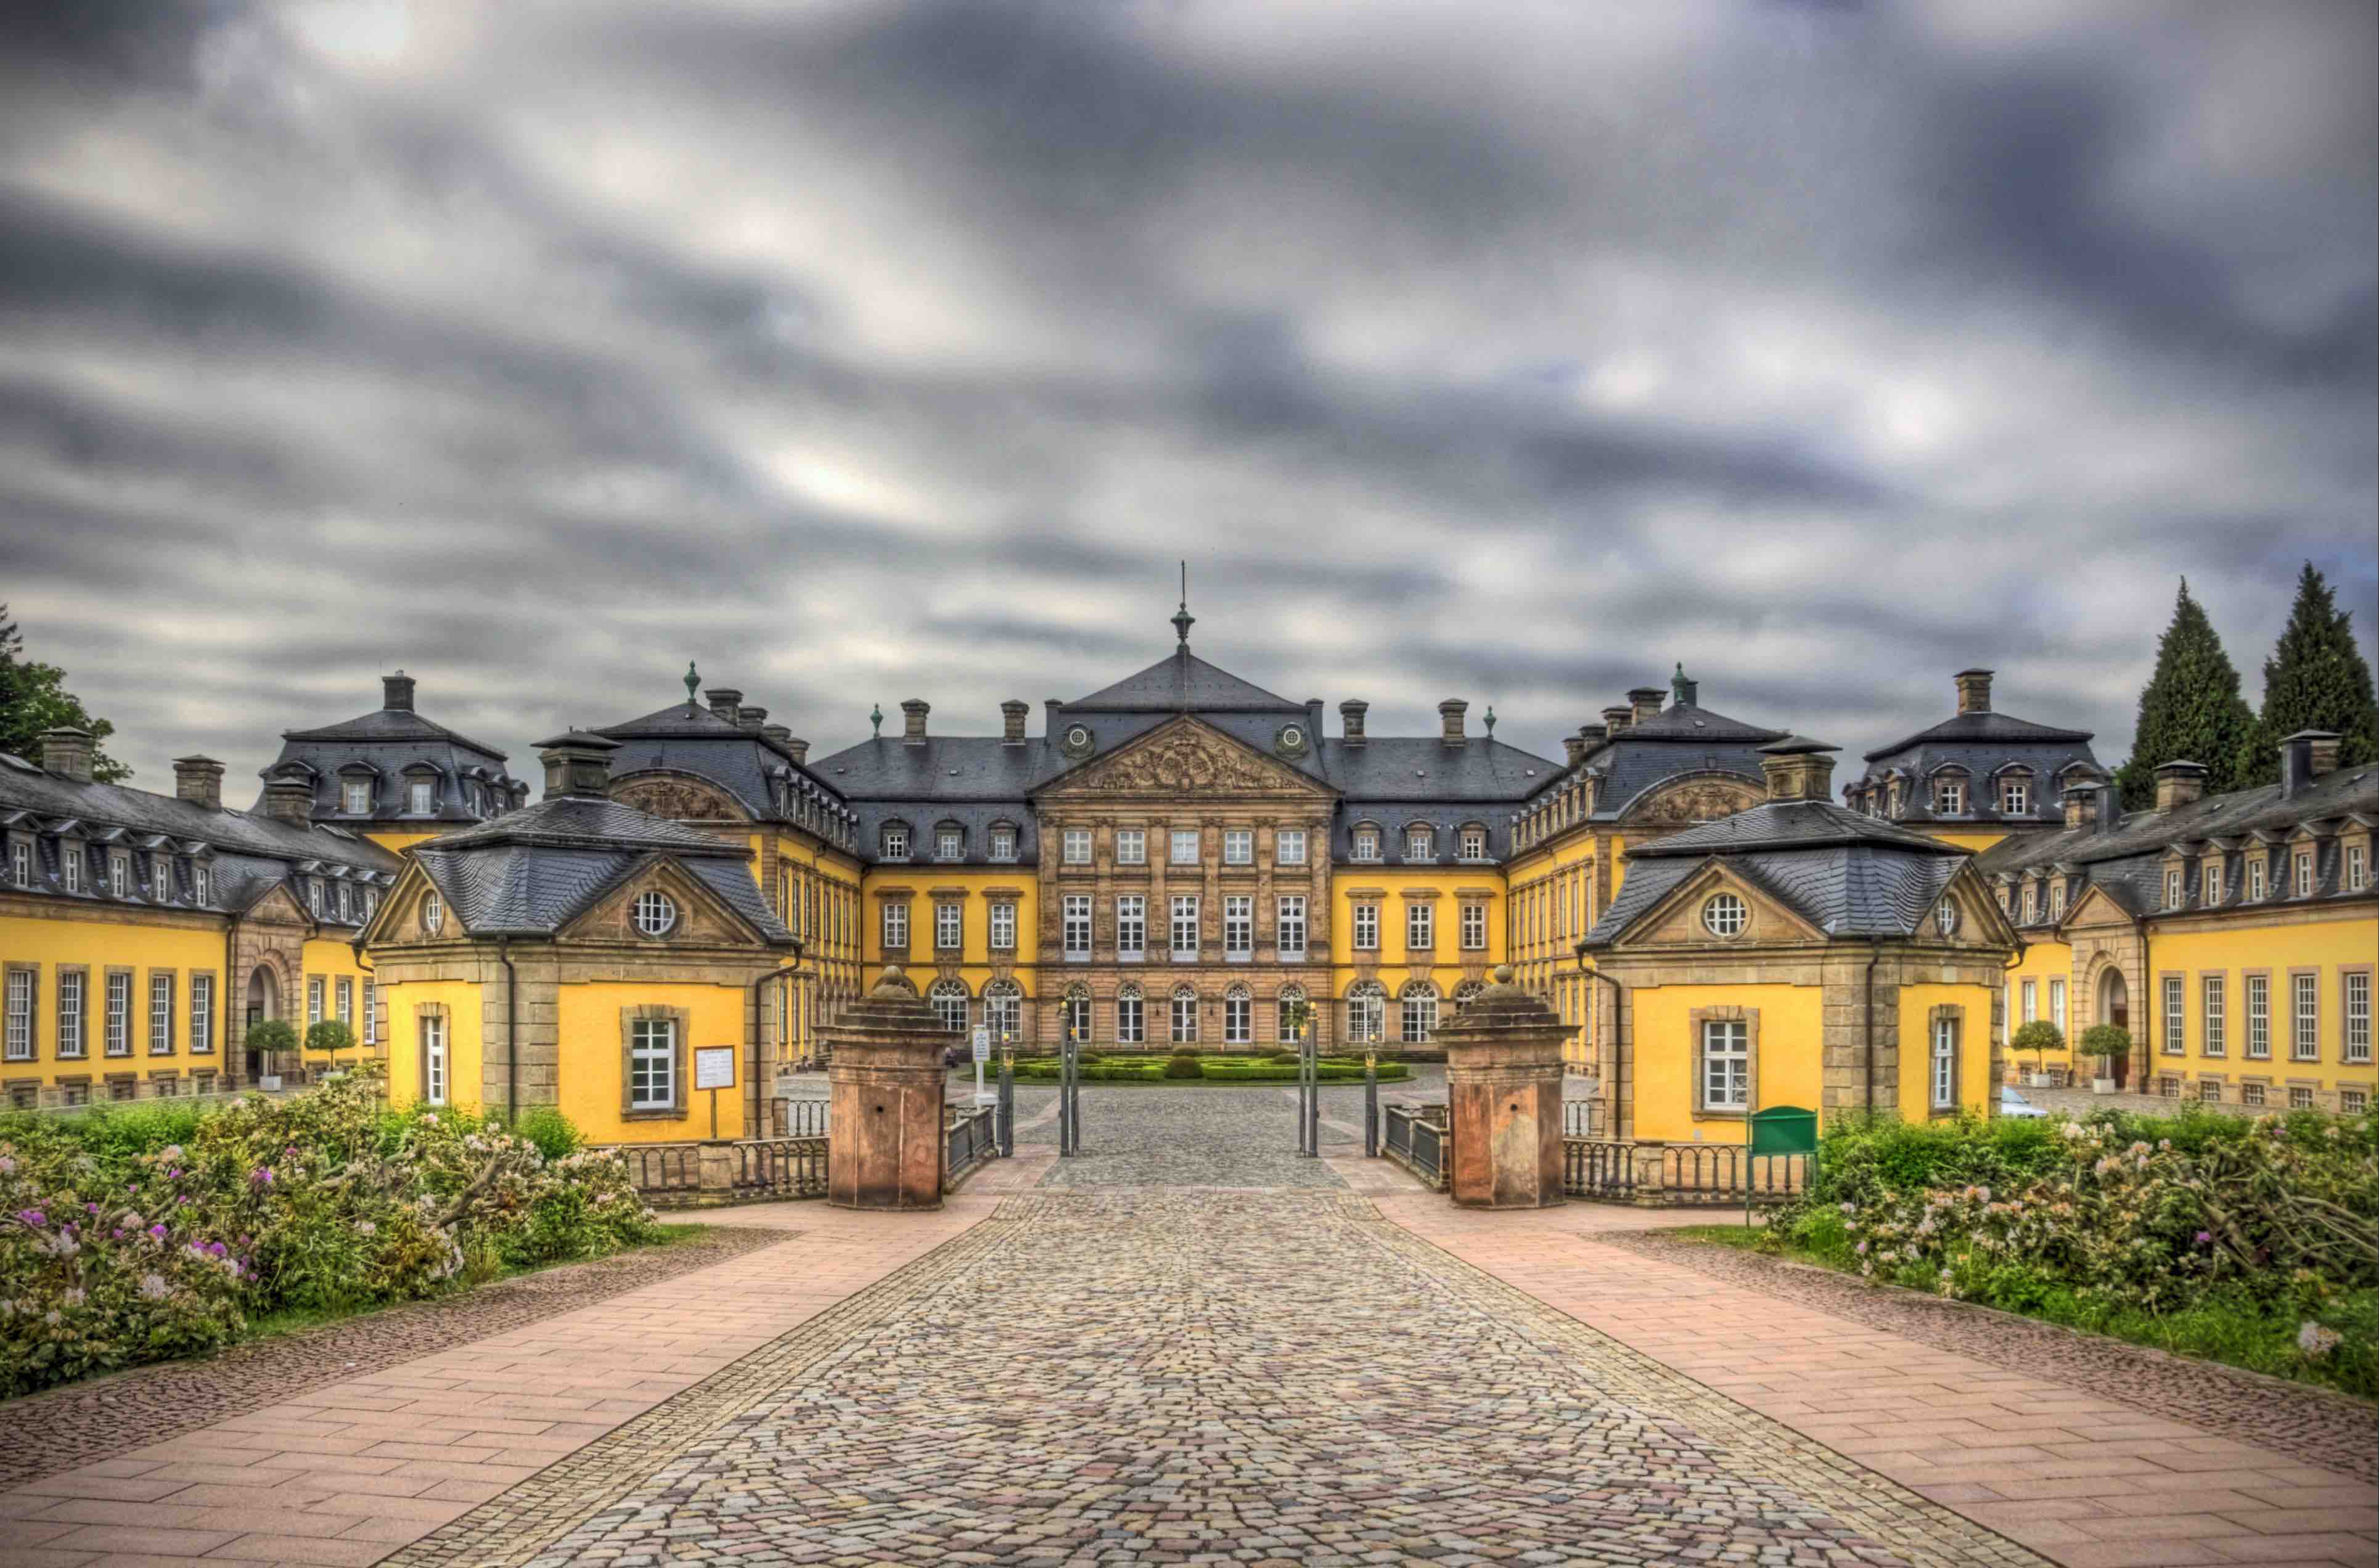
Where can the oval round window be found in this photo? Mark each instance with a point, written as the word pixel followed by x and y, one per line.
pixel 433 914
pixel 1078 736
pixel 1725 915
pixel 1292 737
pixel 1946 917
pixel 655 914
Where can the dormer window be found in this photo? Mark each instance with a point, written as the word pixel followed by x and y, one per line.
pixel 2015 796
pixel 1950 796
pixel 1003 844
pixel 314 895
pixel 2358 868
pixel 119 873
pixel 2210 884
pixel 2304 874
pixel 420 796
pixel 1366 846
pixel 2031 901
pixel 949 844
pixel 198 884
pixel 1420 844
pixel 161 878
pixel 2057 899
pixel 21 861
pixel 346 901
pixel 1474 843
pixel 355 797
pixel 896 842
pixel 2255 875
pixel 70 866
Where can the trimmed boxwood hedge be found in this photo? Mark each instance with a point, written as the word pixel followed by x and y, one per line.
pixel 1211 1070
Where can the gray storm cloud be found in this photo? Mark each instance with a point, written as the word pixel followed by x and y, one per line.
pixel 861 350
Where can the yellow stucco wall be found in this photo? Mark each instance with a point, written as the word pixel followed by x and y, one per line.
pixel 1788 1065
pixel 592 1067
pixel 329 962
pixel 2046 965
pixel 402 1006
pixel 1976 1094
pixel 1974 838
pixel 396 840
pixel 2326 948
pixel 43 944
pixel 1390 884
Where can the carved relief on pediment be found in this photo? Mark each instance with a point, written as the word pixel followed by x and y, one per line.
pixel 681 799
pixel 1699 799
pixel 1185 762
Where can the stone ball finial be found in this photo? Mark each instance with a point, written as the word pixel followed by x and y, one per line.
pixel 1501 974
pixel 892 985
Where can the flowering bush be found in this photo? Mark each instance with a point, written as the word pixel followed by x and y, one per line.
pixel 115 1249
pixel 2270 1220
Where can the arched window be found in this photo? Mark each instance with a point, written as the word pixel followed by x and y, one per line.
pixel 1464 991
pixel 1421 1011
pixel 1367 1011
pixel 1239 1017
pixel 1131 1016
pixel 1291 1004
pixel 1184 1016
pixel 949 1000
pixel 1003 1010
pixel 1078 1015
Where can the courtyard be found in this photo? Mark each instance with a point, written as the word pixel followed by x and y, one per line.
pixel 1187 1344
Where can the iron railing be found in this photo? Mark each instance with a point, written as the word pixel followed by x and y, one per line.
pixel 1418 1138
pixel 971 1134
pixel 1681 1173
pixel 780 1167
pixel 1592 1168
pixel 663 1170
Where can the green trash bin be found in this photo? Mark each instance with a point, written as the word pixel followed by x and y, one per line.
pixel 1781 1129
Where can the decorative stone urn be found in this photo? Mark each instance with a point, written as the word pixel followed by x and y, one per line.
pixel 1503 1084
pixel 885 1143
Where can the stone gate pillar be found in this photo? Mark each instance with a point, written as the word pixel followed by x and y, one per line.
pixel 885 1144
pixel 1503 1084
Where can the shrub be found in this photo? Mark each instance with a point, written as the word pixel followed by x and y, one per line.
pixel 1183 1065
pixel 2106 1040
pixel 554 1134
pixel 1283 1058
pixel 2039 1038
pixel 271 1035
pixel 329 1035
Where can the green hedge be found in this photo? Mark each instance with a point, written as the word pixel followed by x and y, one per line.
pixel 1212 1069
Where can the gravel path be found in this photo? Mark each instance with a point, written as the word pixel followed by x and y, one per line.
pixel 61 1429
pixel 2314 1425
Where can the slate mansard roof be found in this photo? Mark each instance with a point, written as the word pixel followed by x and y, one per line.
pixel 977 781
pixel 388 748
pixel 246 856
pixel 1982 745
pixel 762 773
pixel 1845 873
pixel 534 871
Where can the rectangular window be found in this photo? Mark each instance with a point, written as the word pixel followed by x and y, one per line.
pixel 1003 844
pixel 119 875
pixel 1132 926
pixel 355 798
pixel 1075 925
pixel 1238 926
pixel 420 797
pixel 2211 1002
pixel 1367 928
pixel 2031 1000
pixel 2056 1003
pixel 2209 1091
pixel 313 999
pixel 2299 1097
pixel 2210 885
pixel 1239 847
pixel 949 844
pixel 1366 1016
pixel 202 1013
pixel 2305 1040
pixel 896 926
pixel 346 994
pixel 20 863
pixel 1185 846
pixel 2251 1094
pixel 2015 798
pixel 2304 874
pixel 1953 797
pixel 1421 1014
pixel 1726 1064
pixel 1474 927
pixel 1420 844
pixel 1366 846
pixel 2353 1102
pixel 160 879
pixel 1131 846
pixel 2358 868
pixel 652 1065
pixel 2255 875
pixel 950 924
pixel 1238 1019
pixel 1003 928
pixel 2172 894
pixel 2357 1018
pixel 313 895
pixel 371 1018
pixel 198 883
pixel 1292 926
pixel 2175 1013
pixel 1288 846
pixel 120 1015
pixel 1131 1019
pixel 70 866
pixel 1945 1064
pixel 1420 927
pixel 2031 901
pixel 1078 846
pixel 161 1015
pixel 1185 1017
pixel 896 843
pixel 1184 926
pixel 1474 843
pixel 20 1015
pixel 2259 1016
pixel 346 901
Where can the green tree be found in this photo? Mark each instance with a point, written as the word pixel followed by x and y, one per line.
pixel 2190 710
pixel 329 1035
pixel 33 698
pixel 2316 678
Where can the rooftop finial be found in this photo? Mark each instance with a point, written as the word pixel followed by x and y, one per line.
pixel 1182 619
pixel 693 681
pixel 875 718
pixel 1490 721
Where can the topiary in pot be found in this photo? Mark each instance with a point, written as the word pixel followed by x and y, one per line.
pixel 2039 1037
pixel 332 1037
pixel 1183 1066
pixel 2105 1042
pixel 267 1035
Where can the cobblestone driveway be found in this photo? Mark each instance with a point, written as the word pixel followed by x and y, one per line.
pixel 1204 1377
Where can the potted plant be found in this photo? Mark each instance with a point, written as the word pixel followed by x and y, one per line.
pixel 2039 1037
pixel 331 1036
pixel 2103 1043
pixel 266 1038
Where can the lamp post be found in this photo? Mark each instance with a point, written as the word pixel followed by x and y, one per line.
pixel 1371 1102
pixel 1006 1124
pixel 1309 1078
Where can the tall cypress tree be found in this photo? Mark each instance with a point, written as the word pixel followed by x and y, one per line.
pixel 2191 708
pixel 2316 678
pixel 33 698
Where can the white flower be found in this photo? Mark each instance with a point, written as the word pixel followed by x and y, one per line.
pixel 2315 1341
pixel 154 1287
pixel 76 1296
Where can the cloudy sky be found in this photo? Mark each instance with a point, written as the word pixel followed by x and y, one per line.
pixel 867 351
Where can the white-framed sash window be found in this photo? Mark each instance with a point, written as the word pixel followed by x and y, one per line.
pixel 1292 926
pixel 652 1063
pixel 1238 926
pixel 1131 927
pixel 1726 1064
pixel 1074 925
pixel 1367 928
pixel 433 1057
pixel 1184 926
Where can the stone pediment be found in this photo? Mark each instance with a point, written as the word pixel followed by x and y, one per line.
pixel 1682 802
pixel 279 906
pixel 1184 757
pixel 677 796
pixel 704 920
pixel 1675 922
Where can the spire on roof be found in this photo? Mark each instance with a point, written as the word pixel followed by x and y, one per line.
pixel 693 681
pixel 1182 619
pixel 875 718
pixel 1490 721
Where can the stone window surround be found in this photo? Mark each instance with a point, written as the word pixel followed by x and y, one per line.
pixel 2246 1018
pixel 2171 1041
pixel 202 1043
pixel 887 899
pixel 32 1009
pixel 2371 1012
pixel 2295 974
pixel 173 979
pixel 107 1002
pixel 949 914
pixel 682 1043
pixel 422 1012
pixel 1953 1014
pixel 2213 1044
pixel 1750 1018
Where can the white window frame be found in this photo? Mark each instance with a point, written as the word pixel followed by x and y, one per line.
pixel 1419 1007
pixel 2304 861
pixel 896 925
pixel 1239 1017
pixel 1131 846
pixel 2259 1018
pixel 117 1038
pixel 433 1058
pixel 21 861
pixel 1474 927
pixel 2056 1003
pixel 1944 1064
pixel 371 1014
pixel 1003 844
pixel 2176 1015
pixel 949 844
pixel 2173 885
pixel 655 914
pixel 2255 875
pixel 1003 926
pixel 2358 868
pixel 652 1052
pixel 421 799
pixel 2213 1016
pixel 1291 926
pixel 1420 927
pixel 201 884
pixel 1183 1017
pixel 2031 1001
pixel 1185 924
pixel 1288 846
pixel 1367 1014
pixel 1076 846
pixel 1474 845
pixel 162 1002
pixel 20 1015
pixel 1074 926
pixel 70 866
pixel 74 1006
pixel 949 1000
pixel 315 993
pixel 355 797
pixel 2357 1011
pixel 2015 797
pixel 119 873
pixel 202 1013
pixel 950 924
pixel 1238 846
pixel 1363 845
pixel 1952 796
pixel 2209 883
pixel 895 841
pixel 1420 844
pixel 1184 842
pixel 1003 1010
pixel 2305 1018
pixel 1726 1064
pixel 1725 915
pixel 1131 927
pixel 1131 1016
pixel 1074 1016
pixel 1366 926
pixel 1238 926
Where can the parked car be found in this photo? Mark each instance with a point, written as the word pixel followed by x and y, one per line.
pixel 2014 1105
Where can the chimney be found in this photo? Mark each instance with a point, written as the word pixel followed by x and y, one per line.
pixel 289 800
pixel 579 765
pixel 1616 718
pixel 67 751
pixel 795 747
pixel 2110 807
pixel 1974 691
pixel 1314 723
pixel 912 720
pixel 1593 734
pixel 1011 721
pixel 1798 768
pixel 2324 753
pixel 1350 719
pixel 1049 706
pixel 2177 783
pixel 1449 714
pixel 1645 703
pixel 198 780
pixel 396 692
pixel 1574 748
pixel 2305 756
pixel 725 701
pixel 2081 803
pixel 752 718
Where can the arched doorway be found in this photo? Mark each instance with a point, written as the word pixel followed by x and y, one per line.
pixel 263 1002
pixel 2115 1007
